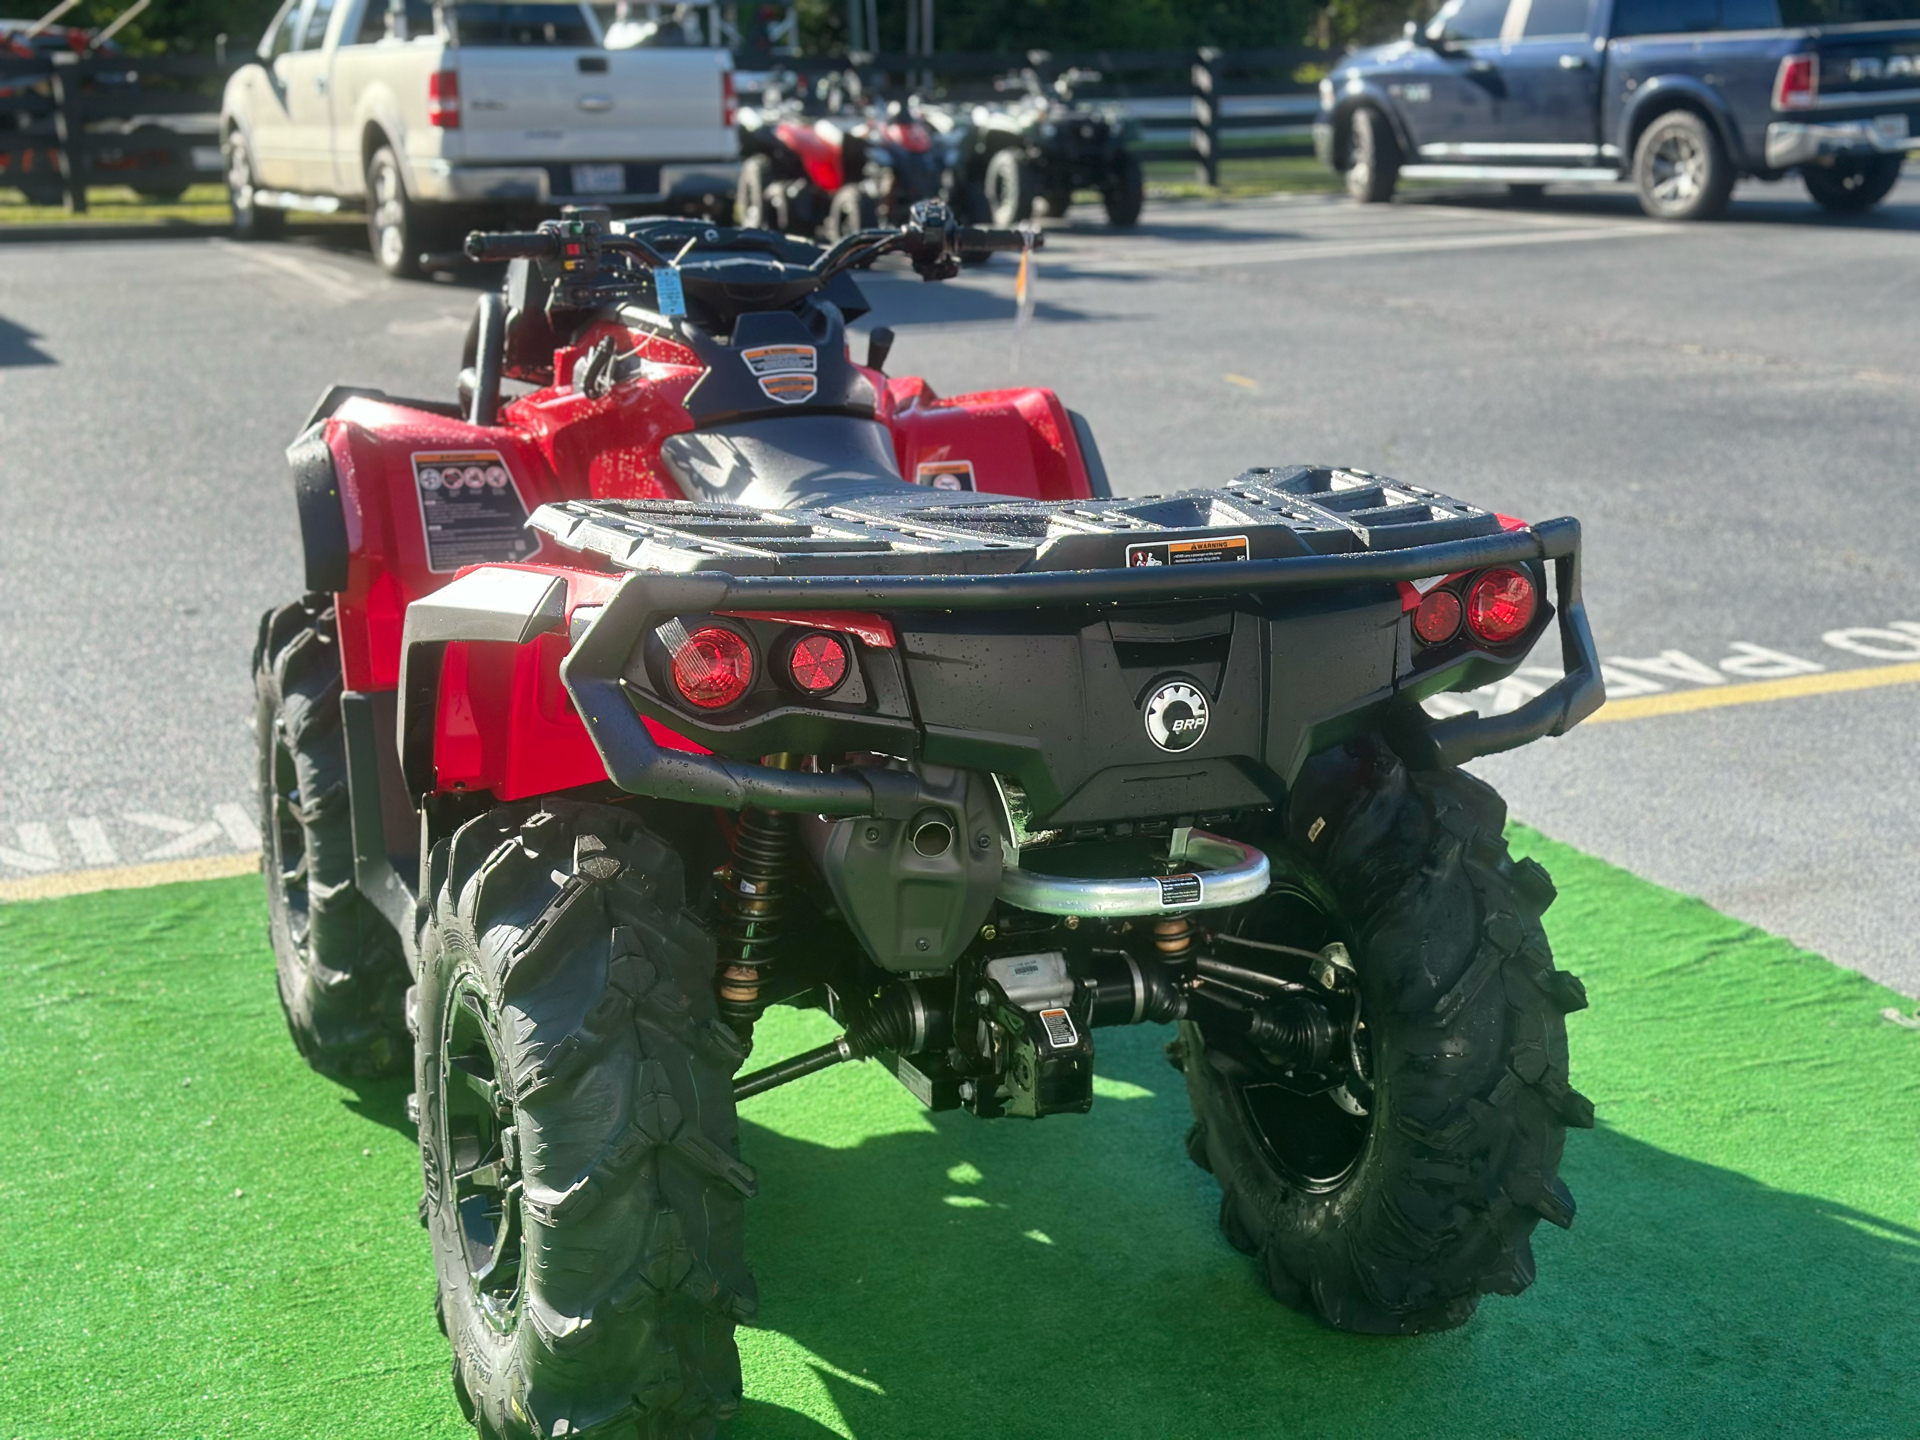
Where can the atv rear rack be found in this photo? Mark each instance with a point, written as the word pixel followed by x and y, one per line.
pixel 647 599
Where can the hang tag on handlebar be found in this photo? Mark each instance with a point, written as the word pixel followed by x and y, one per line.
pixel 669 292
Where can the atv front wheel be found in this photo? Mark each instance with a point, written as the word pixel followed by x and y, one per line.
pixel 1010 188
pixel 584 1191
pixel 341 973
pixel 1391 1205
pixel 1127 195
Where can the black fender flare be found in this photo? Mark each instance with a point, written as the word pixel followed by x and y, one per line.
pixel 1680 92
pixel 323 511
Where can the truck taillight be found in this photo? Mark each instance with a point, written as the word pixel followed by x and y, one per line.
pixel 729 99
pixel 443 100
pixel 1797 85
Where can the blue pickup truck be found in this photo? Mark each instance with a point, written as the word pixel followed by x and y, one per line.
pixel 1682 97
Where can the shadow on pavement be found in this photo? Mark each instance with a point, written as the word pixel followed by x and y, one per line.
pixel 1067 1279
pixel 17 347
pixel 1785 203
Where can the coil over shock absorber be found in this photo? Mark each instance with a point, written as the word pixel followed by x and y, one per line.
pixel 752 896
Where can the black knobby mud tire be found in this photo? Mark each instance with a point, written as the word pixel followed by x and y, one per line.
pixel 566 924
pixel 1011 188
pixel 1471 1102
pixel 342 973
pixel 1127 195
pixel 851 211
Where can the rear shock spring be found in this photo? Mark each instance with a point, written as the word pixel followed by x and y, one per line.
pixel 1173 937
pixel 753 894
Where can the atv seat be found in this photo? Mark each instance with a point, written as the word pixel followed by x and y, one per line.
pixel 788 462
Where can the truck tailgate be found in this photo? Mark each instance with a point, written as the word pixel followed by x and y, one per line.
pixel 1868 68
pixel 556 103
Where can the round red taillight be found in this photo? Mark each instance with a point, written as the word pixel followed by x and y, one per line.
pixel 712 667
pixel 1500 606
pixel 818 663
pixel 1438 618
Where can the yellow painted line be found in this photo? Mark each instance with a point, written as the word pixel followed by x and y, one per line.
pixel 1242 381
pixel 128 877
pixel 1712 697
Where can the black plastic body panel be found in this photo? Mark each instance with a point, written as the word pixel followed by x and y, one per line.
pixel 386 828
pixel 323 516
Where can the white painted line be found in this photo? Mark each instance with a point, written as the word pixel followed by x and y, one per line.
pixel 336 285
pixel 188 836
pixel 36 852
pixel 238 825
pixel 1224 257
pixel 91 837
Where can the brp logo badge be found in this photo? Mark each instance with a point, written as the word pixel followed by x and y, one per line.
pixel 1176 716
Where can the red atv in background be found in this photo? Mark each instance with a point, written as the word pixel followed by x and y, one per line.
pixel 859 164
pixel 659 693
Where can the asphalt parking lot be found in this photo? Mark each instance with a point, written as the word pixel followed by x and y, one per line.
pixel 1731 409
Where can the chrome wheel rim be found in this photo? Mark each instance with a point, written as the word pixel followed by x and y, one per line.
pixel 1678 167
pixel 389 216
pixel 239 178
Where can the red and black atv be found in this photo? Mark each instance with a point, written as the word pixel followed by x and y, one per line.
pixel 858 165
pixel 559 803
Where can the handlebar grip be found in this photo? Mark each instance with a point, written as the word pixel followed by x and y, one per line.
pixel 512 245
pixel 978 240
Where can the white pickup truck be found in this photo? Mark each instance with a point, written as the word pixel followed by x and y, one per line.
pixel 431 116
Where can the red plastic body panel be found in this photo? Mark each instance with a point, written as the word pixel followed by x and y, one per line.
pixel 819 157
pixel 506 723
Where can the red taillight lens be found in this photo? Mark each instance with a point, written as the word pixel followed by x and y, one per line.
pixel 712 667
pixel 729 99
pixel 818 663
pixel 443 100
pixel 1797 85
pixel 1438 618
pixel 1500 606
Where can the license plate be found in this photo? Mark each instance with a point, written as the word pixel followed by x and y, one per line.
pixel 606 179
pixel 1890 127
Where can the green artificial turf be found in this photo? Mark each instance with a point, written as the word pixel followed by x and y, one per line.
pixel 208 1240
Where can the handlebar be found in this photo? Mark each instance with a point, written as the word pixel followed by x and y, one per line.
pixel 571 247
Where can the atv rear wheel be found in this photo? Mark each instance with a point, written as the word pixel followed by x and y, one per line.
pixel 1127 195
pixel 852 211
pixel 753 195
pixel 584 1191
pixel 1010 188
pixel 341 972
pixel 1392 1207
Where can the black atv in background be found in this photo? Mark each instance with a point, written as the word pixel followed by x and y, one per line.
pixel 1043 147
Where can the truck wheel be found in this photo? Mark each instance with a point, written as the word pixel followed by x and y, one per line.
pixel 395 230
pixel 852 211
pixel 251 220
pixel 1127 195
pixel 1681 169
pixel 1373 158
pixel 341 972
pixel 1393 1212
pixel 584 1191
pixel 1010 188
pixel 1847 187
pixel 752 194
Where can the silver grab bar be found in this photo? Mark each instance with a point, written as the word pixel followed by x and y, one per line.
pixel 1235 873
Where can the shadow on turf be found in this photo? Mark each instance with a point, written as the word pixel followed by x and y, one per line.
pixel 1688 1299
pixel 382 1101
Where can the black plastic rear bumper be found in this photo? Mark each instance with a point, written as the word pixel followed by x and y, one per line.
pixel 647 600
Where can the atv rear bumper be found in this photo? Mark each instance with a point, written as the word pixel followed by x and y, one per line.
pixel 648 599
